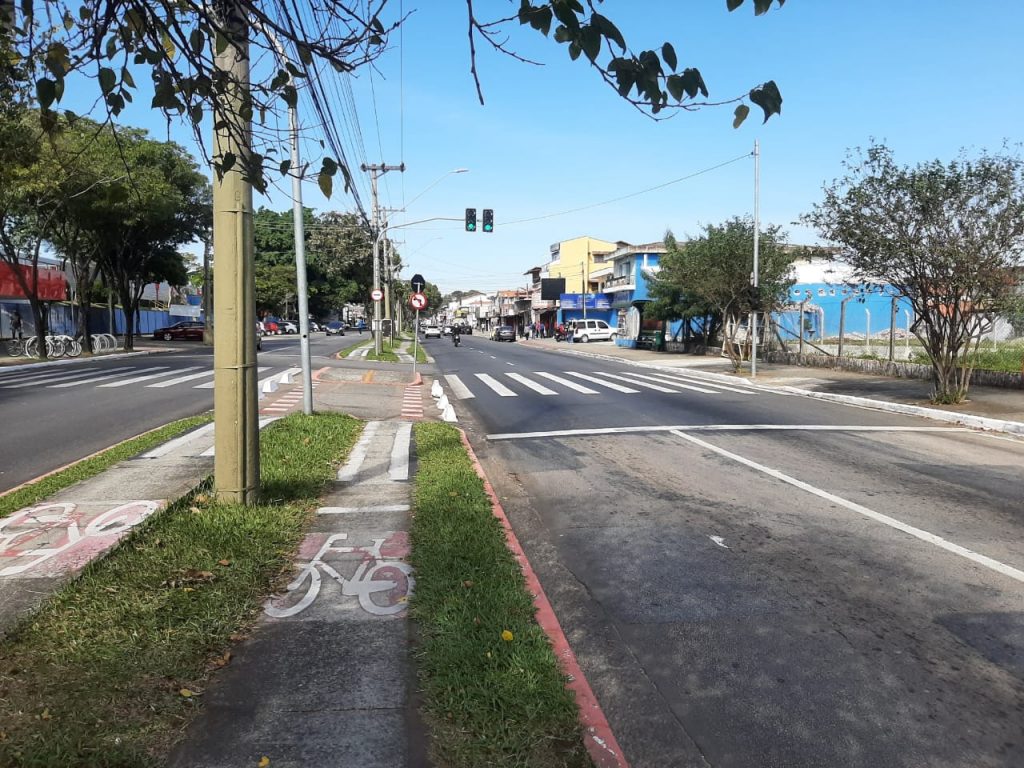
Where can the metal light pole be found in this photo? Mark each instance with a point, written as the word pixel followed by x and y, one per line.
pixel 301 285
pixel 754 278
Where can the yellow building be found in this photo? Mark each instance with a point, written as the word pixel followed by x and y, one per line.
pixel 581 260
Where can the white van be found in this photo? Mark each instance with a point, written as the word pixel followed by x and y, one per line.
pixel 592 330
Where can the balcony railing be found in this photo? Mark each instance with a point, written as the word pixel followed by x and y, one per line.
pixel 623 283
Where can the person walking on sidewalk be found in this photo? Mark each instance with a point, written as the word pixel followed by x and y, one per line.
pixel 16 326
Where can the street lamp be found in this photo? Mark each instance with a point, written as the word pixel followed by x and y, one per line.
pixel 435 182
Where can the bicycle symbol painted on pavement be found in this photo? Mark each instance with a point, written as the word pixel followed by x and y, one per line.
pixel 382 581
pixel 64 534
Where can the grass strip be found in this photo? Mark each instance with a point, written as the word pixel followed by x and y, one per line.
pixel 111 669
pixel 45 487
pixel 493 692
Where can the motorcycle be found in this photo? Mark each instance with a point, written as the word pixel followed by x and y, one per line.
pixel 456 340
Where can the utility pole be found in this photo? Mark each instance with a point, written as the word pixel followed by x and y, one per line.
pixel 207 296
pixel 236 436
pixel 754 278
pixel 586 280
pixel 375 171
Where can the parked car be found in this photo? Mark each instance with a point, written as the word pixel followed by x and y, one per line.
pixel 431 332
pixel 466 329
pixel 592 330
pixel 188 329
pixel 314 326
pixel 287 326
pixel 504 333
pixel 335 328
pixel 271 328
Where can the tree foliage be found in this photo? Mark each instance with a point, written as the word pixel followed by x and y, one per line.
pixel 710 276
pixel 947 235
pixel 177 43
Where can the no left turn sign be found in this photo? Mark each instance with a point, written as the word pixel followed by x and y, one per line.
pixel 418 301
pixel 376 294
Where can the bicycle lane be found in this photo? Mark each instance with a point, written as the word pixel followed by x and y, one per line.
pixel 325 678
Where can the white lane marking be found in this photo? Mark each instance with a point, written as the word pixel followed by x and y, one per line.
pixel 461 390
pixel 358 455
pixel 674 383
pixel 603 383
pixel 263 422
pixel 56 377
pixel 170 445
pixel 380 509
pixel 90 380
pixel 496 385
pixel 399 469
pixel 931 538
pixel 713 385
pixel 181 379
pixel 566 383
pixel 538 388
pixel 147 377
pixel 508 363
pixel 493 357
pixel 210 384
pixel 717 428
pixel 719 541
pixel 645 385
pixel 37 376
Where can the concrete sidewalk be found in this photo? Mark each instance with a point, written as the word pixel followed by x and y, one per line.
pixel 987 407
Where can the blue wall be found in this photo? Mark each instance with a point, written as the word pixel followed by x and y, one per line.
pixel 829 298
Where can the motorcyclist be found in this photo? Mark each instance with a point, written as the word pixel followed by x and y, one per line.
pixel 455 335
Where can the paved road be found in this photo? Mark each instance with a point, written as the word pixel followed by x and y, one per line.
pixel 846 591
pixel 57 413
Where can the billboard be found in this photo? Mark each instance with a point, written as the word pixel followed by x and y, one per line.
pixel 551 288
pixel 592 301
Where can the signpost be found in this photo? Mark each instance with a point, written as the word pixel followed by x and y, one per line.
pixel 417 301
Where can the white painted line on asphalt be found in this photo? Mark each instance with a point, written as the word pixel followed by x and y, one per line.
pixel 90 380
pixel 508 363
pixel 263 422
pixel 931 538
pixel 566 383
pixel 719 541
pixel 716 428
pixel 461 390
pixel 355 459
pixel 540 389
pixel 181 379
pixel 381 509
pixel 399 469
pixel 170 445
pixel 146 377
pixel 210 384
pixel 55 376
pixel 496 385
pixel 45 374
pixel 608 384
pixel 691 380
pixel 675 383
pixel 645 385
pixel 493 357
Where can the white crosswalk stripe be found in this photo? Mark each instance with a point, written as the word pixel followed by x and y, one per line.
pixel 209 384
pixel 701 382
pixel 146 377
pixel 92 380
pixel 496 385
pixel 662 380
pixel 461 391
pixel 645 385
pixel 566 383
pixel 181 379
pixel 540 389
pixel 603 383
pixel 39 381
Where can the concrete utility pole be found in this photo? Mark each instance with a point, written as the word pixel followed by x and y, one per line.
pixel 236 432
pixel 757 269
pixel 376 170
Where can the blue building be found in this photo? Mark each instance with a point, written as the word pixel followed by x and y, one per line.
pixel 628 287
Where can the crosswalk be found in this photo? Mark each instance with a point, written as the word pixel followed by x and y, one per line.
pixel 548 384
pixel 121 377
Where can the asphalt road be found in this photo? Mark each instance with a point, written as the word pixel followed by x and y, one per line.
pixel 57 413
pixel 847 590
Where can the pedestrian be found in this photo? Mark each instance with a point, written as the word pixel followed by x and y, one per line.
pixel 529 328
pixel 570 332
pixel 16 325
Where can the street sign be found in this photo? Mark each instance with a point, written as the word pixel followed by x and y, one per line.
pixel 376 294
pixel 418 283
pixel 418 301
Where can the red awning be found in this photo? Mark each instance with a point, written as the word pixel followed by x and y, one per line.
pixel 52 283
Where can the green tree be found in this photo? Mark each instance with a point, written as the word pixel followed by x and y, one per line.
pixel 948 236
pixel 710 274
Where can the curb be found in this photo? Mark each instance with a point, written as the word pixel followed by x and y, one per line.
pixel 949 417
pixel 94 358
pixel 597 733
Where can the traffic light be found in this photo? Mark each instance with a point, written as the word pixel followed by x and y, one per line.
pixel 471 219
pixel 488 220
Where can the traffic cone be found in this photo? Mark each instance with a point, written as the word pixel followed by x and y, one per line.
pixel 449 414
pixel 270 385
pixel 442 403
pixel 435 389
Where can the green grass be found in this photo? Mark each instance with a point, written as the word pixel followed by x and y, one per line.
pixel 96 676
pixel 1007 357
pixel 35 492
pixel 487 701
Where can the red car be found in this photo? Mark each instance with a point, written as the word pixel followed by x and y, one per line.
pixel 189 329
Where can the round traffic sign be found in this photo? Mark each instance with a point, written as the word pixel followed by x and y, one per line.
pixel 418 301
pixel 376 294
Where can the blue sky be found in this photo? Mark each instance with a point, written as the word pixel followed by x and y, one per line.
pixel 928 78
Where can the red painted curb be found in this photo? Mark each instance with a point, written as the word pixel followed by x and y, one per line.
pixel 418 380
pixel 316 374
pixel 597 734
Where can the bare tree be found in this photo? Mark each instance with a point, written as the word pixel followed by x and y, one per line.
pixel 948 236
